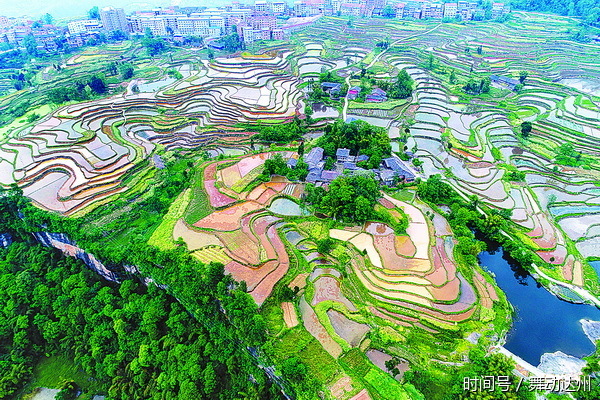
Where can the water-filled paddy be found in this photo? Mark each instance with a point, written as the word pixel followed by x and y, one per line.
pixel 283 206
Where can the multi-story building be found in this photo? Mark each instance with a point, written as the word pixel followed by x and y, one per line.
pixel 400 7
pixel 278 7
pixel 335 5
pixel 499 9
pixel 84 26
pixel 437 11
pixel 250 35
pixel 353 9
pixel 426 10
pixel 4 21
pixel 450 10
pixel 261 7
pixel 113 19
pixel 194 26
pixel 308 8
pixel 264 22
pixel 278 34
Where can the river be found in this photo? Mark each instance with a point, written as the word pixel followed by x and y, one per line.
pixel 543 323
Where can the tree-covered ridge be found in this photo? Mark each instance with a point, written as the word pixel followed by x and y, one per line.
pixel 588 9
pixel 138 341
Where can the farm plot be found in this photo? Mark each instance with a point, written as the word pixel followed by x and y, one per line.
pixel 84 154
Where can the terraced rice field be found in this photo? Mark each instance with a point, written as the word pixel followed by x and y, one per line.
pixel 466 139
pixel 241 233
pixel 421 286
pixel 89 153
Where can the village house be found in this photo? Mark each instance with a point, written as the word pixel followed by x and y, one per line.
pixel 376 96
pixel 331 88
pixel 353 92
pixel 401 170
pixel 504 82
pixel 343 155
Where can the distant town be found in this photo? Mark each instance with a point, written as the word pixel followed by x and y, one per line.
pixel 263 20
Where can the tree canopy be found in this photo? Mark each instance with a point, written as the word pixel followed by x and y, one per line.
pixel 136 341
pixel 359 137
pixel 348 198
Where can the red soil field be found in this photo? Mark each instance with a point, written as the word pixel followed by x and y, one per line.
pixel 328 288
pixel 216 198
pixel 405 246
pixel 265 287
pixel 386 203
pixel 289 314
pixel 240 247
pixel 439 276
pixel 559 254
pixel 249 163
pixel 362 395
pixel 276 186
pixel 229 218
pixel 448 292
pixel 299 280
pixel 266 196
pixel 378 313
pixel 252 276
pixel 567 269
pixel 386 248
pixel 378 229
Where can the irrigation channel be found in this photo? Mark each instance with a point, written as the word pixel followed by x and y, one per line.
pixel 542 323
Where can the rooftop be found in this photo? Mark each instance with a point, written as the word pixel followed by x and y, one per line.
pixel 342 153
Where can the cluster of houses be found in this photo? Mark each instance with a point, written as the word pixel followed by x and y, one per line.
pixel 333 89
pixel 417 9
pixel 262 20
pixel 253 22
pixel 391 170
pixel 14 31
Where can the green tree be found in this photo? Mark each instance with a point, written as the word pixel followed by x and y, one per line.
pixel 388 11
pixel 522 76
pixel 30 45
pixel 453 76
pixel 126 71
pixel 94 13
pixel 47 19
pixel 526 127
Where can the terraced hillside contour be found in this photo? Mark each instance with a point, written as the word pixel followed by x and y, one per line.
pixel 88 153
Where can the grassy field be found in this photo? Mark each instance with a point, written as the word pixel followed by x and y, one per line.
pixel 199 205
pixel 52 372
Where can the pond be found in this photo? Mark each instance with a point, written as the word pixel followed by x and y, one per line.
pixel 582 209
pixel 596 266
pixel 154 86
pixel 321 110
pixel 283 206
pixel 543 323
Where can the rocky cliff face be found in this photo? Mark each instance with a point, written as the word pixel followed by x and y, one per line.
pixel 61 242
pixel 559 363
pixel 591 329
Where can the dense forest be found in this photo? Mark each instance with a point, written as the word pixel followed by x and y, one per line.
pixel 588 9
pixel 138 341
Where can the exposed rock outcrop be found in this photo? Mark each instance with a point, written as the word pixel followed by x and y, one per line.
pixel 559 363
